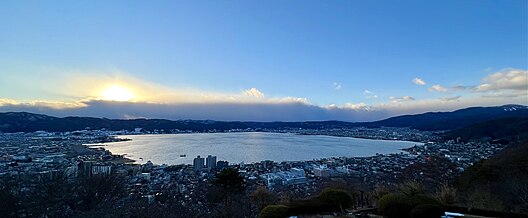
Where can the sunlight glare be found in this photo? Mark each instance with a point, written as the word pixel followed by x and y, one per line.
pixel 117 93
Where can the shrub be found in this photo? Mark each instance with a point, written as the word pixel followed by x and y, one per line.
pixel 274 211
pixel 400 205
pixel 394 205
pixel 427 210
pixel 336 197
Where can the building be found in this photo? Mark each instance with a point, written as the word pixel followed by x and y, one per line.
pixel 71 171
pixel 211 162
pixel 84 168
pixel 271 179
pixel 145 176
pixel 292 177
pixel 297 172
pixel 321 171
pixel 101 169
pixel 222 164
pixel 198 163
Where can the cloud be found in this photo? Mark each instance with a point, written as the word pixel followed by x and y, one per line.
pixel 42 104
pixel 153 100
pixel 358 106
pixel 88 86
pixel 507 79
pixel 253 92
pixel 368 94
pixel 507 94
pixel 437 88
pixel 418 81
pixel 290 100
pixel 289 109
pixel 454 98
pixel 5 101
pixel 337 86
pixel 401 99
pixel 277 111
pixel 460 88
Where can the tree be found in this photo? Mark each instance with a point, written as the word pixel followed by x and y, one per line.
pixel 53 196
pixel 8 207
pixel 227 196
pixel 380 191
pixel 411 188
pixel 482 199
pixel 100 189
pixel 230 179
pixel 446 194
pixel 336 197
pixel 262 197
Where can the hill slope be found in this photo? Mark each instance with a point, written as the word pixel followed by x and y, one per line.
pixel 509 129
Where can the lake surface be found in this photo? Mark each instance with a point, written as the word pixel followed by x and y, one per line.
pixel 248 147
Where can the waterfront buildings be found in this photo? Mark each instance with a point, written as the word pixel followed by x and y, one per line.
pixel 211 162
pixel 198 163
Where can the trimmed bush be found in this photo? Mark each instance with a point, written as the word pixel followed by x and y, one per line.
pixel 274 211
pixel 427 210
pixel 400 205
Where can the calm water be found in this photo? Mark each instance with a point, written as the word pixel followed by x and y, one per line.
pixel 248 147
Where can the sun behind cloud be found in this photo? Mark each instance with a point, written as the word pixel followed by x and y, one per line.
pixel 117 93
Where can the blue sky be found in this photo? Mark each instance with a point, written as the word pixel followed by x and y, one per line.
pixel 328 53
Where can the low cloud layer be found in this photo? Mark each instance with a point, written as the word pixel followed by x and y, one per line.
pixel 508 86
pixel 280 111
pixel 287 111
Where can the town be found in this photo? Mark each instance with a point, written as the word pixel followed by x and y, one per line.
pixel 30 158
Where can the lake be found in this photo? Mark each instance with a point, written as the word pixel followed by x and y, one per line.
pixel 248 147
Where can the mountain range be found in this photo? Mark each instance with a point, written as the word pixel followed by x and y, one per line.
pixel 29 122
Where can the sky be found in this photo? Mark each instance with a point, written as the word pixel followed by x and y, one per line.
pixel 261 60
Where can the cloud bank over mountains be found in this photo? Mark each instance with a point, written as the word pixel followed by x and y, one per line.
pixel 508 86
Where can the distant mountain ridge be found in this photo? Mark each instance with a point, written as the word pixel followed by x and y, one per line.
pixel 29 122
pixel 455 119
